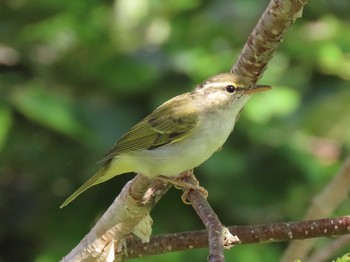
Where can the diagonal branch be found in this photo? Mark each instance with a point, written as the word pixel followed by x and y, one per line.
pixel 267 35
pixel 132 205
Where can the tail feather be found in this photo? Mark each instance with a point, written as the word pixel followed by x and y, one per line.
pixel 98 178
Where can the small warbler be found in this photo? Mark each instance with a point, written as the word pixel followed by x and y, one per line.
pixel 180 134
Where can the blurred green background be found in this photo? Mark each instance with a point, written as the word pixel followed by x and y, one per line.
pixel 75 75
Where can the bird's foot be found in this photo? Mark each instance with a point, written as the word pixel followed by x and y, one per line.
pixel 187 187
pixel 191 187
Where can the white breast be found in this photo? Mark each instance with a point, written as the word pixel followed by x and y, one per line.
pixel 188 153
pixel 209 135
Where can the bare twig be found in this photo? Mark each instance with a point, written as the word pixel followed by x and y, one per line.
pixel 266 233
pixel 322 205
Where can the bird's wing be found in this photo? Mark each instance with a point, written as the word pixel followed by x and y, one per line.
pixel 165 125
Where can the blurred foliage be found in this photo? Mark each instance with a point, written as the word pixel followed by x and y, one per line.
pixel 344 258
pixel 75 75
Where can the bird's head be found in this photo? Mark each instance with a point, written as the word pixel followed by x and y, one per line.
pixel 228 89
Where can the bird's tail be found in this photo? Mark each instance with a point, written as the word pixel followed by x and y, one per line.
pixel 98 178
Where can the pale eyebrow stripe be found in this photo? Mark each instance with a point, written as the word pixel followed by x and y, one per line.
pixel 215 84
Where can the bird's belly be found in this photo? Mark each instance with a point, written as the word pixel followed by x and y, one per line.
pixel 186 154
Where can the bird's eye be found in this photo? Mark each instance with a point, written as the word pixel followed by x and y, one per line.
pixel 230 88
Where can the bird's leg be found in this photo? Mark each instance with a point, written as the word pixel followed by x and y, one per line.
pixel 180 184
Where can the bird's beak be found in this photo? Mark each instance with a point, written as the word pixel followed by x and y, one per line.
pixel 257 88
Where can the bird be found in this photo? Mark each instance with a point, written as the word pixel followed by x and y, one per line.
pixel 180 134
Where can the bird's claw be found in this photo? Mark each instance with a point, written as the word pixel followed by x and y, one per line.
pixel 187 187
pixel 191 187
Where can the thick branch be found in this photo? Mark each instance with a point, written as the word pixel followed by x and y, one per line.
pixel 266 233
pixel 131 206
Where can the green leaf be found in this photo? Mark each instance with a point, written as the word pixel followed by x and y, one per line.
pixel 50 109
pixel 5 123
pixel 345 258
pixel 280 101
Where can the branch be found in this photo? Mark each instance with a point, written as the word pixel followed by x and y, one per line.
pixel 219 237
pixel 267 35
pixel 265 233
pixel 130 208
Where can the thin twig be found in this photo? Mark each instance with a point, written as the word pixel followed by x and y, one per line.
pixel 265 233
pixel 217 235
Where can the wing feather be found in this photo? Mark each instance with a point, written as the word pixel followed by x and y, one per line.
pixel 165 125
